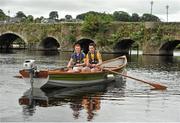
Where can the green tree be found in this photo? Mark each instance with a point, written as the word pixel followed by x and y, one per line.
pixel 20 14
pixel 68 17
pixel 138 36
pixel 149 17
pixel 2 15
pixel 53 15
pixel 41 18
pixel 83 15
pixel 38 20
pixel 71 38
pixel 30 18
pixel 91 25
pixel 135 17
pixel 121 16
pixel 96 26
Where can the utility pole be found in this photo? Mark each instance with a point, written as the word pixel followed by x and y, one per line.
pixel 167 7
pixel 151 6
pixel 8 15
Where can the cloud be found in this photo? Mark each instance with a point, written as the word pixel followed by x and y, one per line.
pixel 74 7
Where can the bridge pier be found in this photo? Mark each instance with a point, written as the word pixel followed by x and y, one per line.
pixel 53 35
pixel 165 49
pixel 32 46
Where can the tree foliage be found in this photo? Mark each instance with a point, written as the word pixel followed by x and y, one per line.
pixel 20 14
pixel 2 15
pixel 135 17
pixel 94 24
pixel 116 16
pixel 30 18
pixel 39 19
pixel 121 16
pixel 97 26
pixel 53 15
pixel 83 15
pixel 68 17
pixel 71 38
pixel 149 17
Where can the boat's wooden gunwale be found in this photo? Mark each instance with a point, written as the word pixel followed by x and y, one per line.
pixel 60 72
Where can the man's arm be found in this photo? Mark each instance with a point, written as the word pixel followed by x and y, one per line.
pixel 70 63
pixel 87 60
pixel 99 59
pixel 82 64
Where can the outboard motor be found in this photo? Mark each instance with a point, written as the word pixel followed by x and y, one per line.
pixel 31 68
pixel 37 78
pixel 29 65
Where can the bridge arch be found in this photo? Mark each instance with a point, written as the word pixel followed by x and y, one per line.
pixel 84 42
pixel 123 45
pixel 49 43
pixel 168 47
pixel 9 40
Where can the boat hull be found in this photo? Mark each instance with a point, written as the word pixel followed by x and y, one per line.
pixel 76 79
pixel 37 82
pixel 53 83
pixel 40 78
pixel 54 78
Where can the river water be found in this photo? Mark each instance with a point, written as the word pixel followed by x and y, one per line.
pixel 120 101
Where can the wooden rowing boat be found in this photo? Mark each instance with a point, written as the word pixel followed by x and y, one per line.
pixel 60 77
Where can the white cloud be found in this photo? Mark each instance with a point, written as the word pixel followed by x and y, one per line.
pixel 39 8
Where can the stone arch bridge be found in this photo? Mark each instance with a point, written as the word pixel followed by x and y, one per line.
pixel 151 38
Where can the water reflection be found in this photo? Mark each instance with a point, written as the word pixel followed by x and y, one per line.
pixel 50 53
pixel 86 98
pixel 159 63
pixel 123 102
pixel 6 51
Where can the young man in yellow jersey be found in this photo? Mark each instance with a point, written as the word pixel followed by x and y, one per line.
pixel 93 59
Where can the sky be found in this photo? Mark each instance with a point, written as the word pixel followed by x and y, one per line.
pixel 39 8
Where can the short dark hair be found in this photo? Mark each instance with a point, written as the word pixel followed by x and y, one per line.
pixel 92 44
pixel 77 44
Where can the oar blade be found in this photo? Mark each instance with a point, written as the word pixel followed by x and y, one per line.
pixel 158 86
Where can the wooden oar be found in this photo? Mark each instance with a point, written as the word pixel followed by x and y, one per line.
pixel 18 76
pixel 155 85
pixel 60 68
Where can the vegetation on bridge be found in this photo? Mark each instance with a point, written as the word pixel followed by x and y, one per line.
pixel 104 28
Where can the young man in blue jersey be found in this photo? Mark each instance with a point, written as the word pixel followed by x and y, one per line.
pixel 77 60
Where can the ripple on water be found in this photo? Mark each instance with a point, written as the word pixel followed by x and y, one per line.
pixel 132 101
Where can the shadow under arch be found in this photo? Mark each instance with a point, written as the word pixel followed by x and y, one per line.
pixel 168 47
pixel 123 46
pixel 84 42
pixel 12 40
pixel 49 43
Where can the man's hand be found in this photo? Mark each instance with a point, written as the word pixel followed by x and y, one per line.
pixel 68 66
pixel 78 65
pixel 93 65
